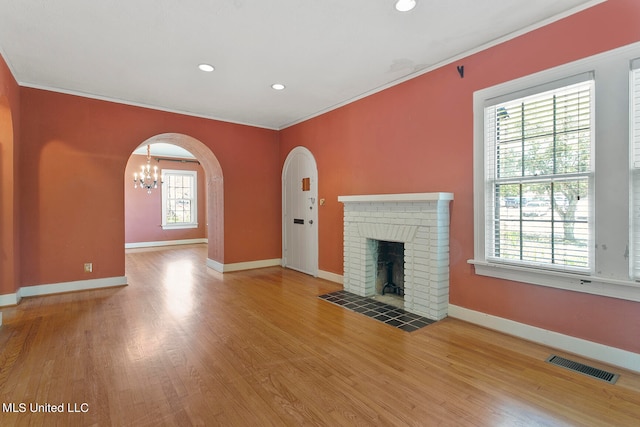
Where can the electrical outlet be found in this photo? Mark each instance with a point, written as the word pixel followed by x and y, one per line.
pixel 88 267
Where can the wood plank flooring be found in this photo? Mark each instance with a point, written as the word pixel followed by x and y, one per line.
pixel 184 345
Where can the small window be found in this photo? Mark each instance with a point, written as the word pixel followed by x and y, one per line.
pixel 179 199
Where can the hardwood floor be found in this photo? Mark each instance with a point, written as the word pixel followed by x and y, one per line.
pixel 185 345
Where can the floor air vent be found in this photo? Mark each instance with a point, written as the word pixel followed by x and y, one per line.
pixel 583 369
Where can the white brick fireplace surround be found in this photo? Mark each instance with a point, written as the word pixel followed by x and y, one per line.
pixel 421 222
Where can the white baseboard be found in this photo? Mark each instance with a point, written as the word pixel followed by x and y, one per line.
pixel 9 299
pixel 56 288
pixel 610 355
pixel 80 285
pixel 164 243
pixel 217 266
pixel 332 277
pixel 249 265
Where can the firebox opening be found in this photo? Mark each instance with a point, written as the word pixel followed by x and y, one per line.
pixel 390 273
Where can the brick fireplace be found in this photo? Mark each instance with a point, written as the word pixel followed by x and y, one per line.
pixel 418 220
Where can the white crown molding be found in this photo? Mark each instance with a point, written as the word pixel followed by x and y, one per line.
pixel 449 61
pixel 136 104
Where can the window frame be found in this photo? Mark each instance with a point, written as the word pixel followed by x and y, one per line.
pixel 634 167
pixel 491 140
pixel 166 173
pixel 609 274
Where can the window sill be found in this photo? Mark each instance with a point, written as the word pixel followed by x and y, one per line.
pixel 178 226
pixel 614 288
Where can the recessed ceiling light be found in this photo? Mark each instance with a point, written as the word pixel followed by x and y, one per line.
pixel 206 67
pixel 405 5
pixel 278 86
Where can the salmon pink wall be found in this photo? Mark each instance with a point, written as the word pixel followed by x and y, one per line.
pixel 74 153
pixel 143 211
pixel 9 203
pixel 418 137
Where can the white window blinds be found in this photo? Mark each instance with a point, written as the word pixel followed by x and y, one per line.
pixel 538 177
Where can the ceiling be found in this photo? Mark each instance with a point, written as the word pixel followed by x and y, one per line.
pixel 326 52
pixel 164 149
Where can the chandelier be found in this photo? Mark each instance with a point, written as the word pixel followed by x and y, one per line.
pixel 146 180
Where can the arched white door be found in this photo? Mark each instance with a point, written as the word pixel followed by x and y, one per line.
pixel 300 212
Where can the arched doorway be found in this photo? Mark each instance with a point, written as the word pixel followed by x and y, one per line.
pixel 214 187
pixel 300 212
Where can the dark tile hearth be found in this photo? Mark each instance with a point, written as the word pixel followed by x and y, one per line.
pixel 377 310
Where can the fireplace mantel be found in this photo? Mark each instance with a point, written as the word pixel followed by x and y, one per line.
pixel 404 197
